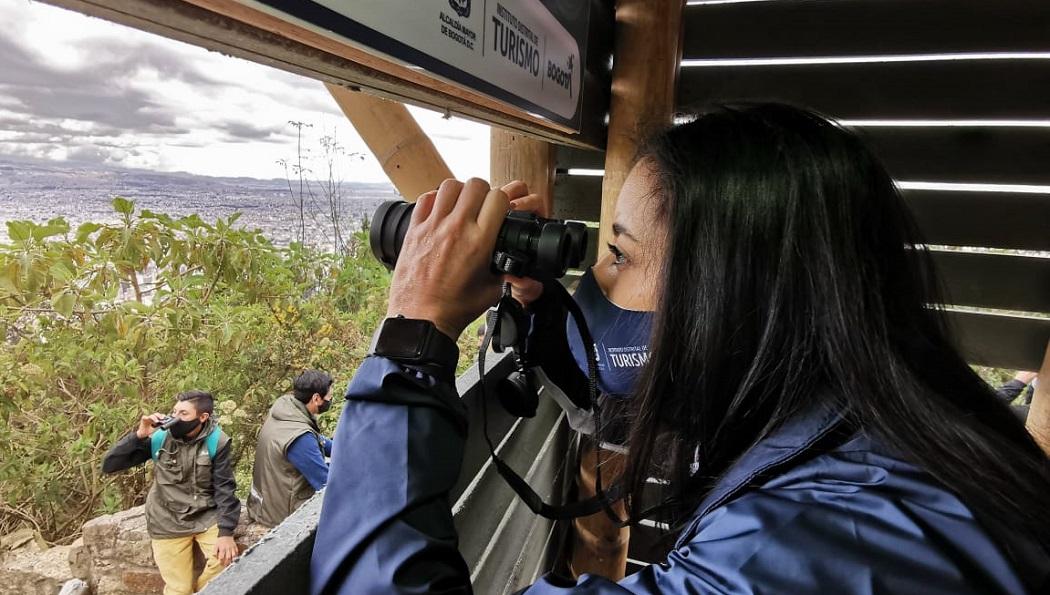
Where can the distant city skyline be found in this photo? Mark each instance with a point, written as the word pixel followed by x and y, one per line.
pixel 83 90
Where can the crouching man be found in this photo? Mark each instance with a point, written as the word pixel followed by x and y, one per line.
pixel 192 499
pixel 290 456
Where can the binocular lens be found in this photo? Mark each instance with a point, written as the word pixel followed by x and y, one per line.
pixel 527 245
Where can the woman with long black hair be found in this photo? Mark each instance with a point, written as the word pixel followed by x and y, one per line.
pixel 819 431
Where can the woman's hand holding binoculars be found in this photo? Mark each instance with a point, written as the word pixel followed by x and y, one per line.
pixel 443 273
pixel 523 289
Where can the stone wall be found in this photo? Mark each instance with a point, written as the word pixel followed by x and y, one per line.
pixel 113 556
pixel 30 568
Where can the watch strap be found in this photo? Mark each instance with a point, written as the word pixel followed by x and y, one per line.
pixel 417 343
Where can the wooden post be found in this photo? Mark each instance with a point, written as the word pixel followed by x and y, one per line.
pixel 1039 414
pixel 408 157
pixel 644 76
pixel 645 70
pixel 598 545
pixel 514 156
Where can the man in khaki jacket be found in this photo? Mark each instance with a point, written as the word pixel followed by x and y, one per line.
pixel 192 499
pixel 290 456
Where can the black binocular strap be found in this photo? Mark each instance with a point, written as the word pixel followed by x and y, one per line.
pixel 602 500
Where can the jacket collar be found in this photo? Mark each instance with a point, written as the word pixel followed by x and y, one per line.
pixel 784 446
pixel 287 408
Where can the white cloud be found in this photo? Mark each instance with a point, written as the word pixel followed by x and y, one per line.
pixel 76 87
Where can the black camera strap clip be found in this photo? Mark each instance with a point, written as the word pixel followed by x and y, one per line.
pixel 508 324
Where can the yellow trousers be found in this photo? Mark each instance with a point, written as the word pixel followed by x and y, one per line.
pixel 174 559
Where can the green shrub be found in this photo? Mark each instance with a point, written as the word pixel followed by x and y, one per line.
pixel 91 346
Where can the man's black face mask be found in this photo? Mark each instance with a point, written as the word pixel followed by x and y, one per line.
pixel 183 427
pixel 325 406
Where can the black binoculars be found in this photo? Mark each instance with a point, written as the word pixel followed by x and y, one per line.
pixel 527 245
pixel 166 423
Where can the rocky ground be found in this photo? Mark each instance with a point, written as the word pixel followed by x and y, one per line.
pixel 112 557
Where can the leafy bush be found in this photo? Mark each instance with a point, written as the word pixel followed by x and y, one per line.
pixel 110 321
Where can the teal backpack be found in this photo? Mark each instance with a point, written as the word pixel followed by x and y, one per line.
pixel 157 440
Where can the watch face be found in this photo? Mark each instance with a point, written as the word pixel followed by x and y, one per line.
pixel 402 337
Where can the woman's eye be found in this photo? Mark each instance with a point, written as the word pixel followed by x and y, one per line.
pixel 619 257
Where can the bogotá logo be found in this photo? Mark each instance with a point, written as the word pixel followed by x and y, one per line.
pixel 462 7
pixel 562 76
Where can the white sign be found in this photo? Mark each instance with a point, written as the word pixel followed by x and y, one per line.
pixel 511 50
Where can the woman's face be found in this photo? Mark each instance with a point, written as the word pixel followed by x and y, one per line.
pixel 629 271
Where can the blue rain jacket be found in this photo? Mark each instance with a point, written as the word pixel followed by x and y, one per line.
pixel 853 519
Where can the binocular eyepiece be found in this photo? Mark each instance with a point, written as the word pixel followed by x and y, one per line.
pixel 527 245
pixel 166 423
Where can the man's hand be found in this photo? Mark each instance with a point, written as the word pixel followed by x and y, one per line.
pixel 522 289
pixel 443 272
pixel 225 550
pixel 148 424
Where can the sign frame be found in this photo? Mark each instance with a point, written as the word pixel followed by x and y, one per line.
pixel 360 26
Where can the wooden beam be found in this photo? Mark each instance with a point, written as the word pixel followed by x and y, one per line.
pixel 578 197
pixel 997 281
pixel 994 155
pixel 409 159
pixel 598 546
pixel 645 71
pixel 1038 422
pixel 1038 415
pixel 570 157
pixel 514 156
pixel 954 89
pixel 1000 341
pixel 645 66
pixel 988 219
pixel 864 27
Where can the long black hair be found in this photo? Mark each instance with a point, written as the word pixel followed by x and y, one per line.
pixel 808 281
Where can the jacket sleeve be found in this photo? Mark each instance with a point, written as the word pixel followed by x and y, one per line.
pixel 1010 390
pixel 306 457
pixel 225 491
pixel 813 540
pixel 128 452
pixel 386 523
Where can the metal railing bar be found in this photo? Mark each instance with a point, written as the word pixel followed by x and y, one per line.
pixel 491 545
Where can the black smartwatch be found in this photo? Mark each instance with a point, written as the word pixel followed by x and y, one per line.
pixel 416 343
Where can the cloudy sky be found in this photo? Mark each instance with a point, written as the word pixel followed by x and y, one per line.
pixel 78 88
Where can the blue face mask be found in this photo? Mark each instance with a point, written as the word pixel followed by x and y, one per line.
pixel 621 338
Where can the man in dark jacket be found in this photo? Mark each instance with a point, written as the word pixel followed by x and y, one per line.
pixel 192 499
pixel 290 454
